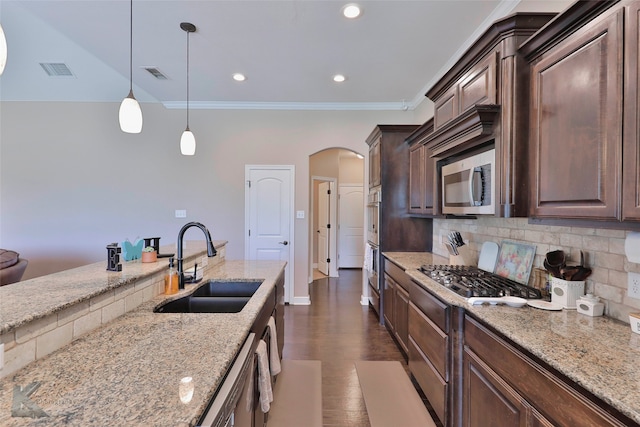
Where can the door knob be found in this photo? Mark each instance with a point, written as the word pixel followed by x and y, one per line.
pixel 283 243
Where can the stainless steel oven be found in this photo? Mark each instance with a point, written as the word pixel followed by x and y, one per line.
pixel 373 240
pixel 373 216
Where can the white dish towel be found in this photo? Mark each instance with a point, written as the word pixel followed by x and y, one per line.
pixel 274 357
pixel 368 257
pixel 264 377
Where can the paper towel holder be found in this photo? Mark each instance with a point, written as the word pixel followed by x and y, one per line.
pixel 632 247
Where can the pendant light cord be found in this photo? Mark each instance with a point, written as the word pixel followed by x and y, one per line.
pixel 187 80
pixel 131 47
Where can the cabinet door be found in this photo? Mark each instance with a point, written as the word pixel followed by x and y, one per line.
pixel 401 312
pixel 631 166
pixel 487 399
pixel 446 108
pixel 478 86
pixel 422 177
pixel 416 179
pixel 374 164
pixel 389 302
pixel 576 124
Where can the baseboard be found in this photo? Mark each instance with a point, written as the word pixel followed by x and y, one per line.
pixel 301 301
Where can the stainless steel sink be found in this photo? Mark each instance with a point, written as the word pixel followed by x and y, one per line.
pixel 214 296
pixel 219 288
pixel 192 304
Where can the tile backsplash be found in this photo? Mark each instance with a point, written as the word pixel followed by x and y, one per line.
pixel 603 251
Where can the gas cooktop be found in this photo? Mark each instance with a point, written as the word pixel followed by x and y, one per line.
pixel 468 281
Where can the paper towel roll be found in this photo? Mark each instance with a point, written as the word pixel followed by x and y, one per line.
pixel 632 247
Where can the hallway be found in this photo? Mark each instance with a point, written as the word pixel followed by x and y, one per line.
pixel 338 331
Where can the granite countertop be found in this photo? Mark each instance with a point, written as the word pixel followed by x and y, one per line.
pixel 25 301
pixel 128 371
pixel 598 353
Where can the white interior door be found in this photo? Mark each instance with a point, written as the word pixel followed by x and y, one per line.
pixel 323 227
pixel 268 216
pixel 351 223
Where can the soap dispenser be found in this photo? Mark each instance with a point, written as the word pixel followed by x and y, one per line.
pixel 171 280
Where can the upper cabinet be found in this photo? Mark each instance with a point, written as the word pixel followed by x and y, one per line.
pixel 576 122
pixel 482 100
pixel 631 130
pixel 422 174
pixel 374 163
pixel 584 114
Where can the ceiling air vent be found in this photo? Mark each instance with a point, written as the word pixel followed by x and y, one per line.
pixel 56 69
pixel 155 73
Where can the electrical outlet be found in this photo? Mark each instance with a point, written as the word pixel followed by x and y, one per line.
pixel 633 285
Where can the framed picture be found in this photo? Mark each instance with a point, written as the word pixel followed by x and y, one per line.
pixel 515 261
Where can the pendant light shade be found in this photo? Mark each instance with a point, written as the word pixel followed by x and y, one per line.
pixel 187 143
pixel 188 140
pixel 3 50
pixel 130 114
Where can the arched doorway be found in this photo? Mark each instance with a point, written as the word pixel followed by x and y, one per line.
pixel 341 171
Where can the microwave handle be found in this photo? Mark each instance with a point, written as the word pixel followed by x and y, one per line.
pixel 476 173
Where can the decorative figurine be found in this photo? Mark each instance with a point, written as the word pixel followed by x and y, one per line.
pixel 113 257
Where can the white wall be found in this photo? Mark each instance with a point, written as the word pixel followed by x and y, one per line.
pixel 71 182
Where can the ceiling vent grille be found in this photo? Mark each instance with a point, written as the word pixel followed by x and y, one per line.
pixel 155 73
pixel 56 69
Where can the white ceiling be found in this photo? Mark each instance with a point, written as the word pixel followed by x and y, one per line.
pixel 289 50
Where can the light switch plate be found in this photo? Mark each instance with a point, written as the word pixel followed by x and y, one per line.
pixel 300 214
pixel 181 213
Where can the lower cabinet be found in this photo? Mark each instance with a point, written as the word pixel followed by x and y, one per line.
pixel 396 303
pixel 503 386
pixel 430 354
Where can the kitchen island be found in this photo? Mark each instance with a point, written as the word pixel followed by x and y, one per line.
pixel 128 370
pixel 597 355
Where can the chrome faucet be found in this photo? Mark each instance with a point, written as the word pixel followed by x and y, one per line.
pixel 211 251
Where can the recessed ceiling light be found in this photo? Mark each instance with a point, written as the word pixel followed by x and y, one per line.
pixel 339 78
pixel 351 11
pixel 239 77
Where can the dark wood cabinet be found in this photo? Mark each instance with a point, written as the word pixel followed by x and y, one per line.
pixel 389 294
pixel 631 134
pixel 422 174
pixel 502 379
pixel 397 230
pixel 374 163
pixel 489 401
pixel 396 303
pixel 431 355
pixel 576 123
pixel 482 101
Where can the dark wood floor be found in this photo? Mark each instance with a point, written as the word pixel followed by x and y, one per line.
pixel 338 331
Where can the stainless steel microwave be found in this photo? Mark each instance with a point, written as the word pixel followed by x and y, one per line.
pixel 468 185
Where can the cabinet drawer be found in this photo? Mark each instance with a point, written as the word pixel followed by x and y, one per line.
pixel 398 274
pixel 434 387
pixel 433 308
pixel 552 397
pixel 430 340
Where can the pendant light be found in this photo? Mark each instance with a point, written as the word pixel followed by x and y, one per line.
pixel 188 141
pixel 3 50
pixel 130 114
